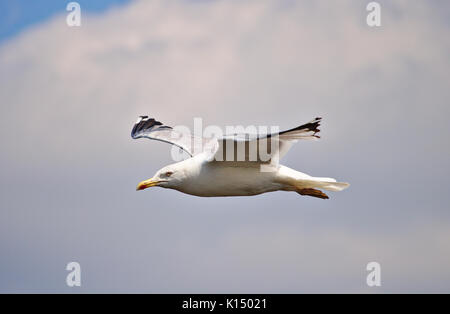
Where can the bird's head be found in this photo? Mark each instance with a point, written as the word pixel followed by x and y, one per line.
pixel 167 177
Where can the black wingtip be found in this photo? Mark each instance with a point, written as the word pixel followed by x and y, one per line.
pixel 145 124
pixel 312 126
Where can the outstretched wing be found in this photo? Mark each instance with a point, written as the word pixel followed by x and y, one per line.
pixel 262 148
pixel 149 128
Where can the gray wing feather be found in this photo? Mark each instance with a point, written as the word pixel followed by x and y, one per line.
pixel 149 128
pixel 270 144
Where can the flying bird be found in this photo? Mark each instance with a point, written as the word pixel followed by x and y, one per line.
pixel 216 168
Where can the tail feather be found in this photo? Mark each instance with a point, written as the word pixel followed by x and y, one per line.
pixel 326 185
pixel 304 184
pixel 323 179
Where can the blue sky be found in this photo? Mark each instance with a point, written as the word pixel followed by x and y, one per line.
pixel 18 15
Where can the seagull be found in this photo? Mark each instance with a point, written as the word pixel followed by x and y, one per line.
pixel 210 171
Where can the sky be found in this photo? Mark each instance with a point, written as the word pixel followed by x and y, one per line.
pixel 17 16
pixel 70 95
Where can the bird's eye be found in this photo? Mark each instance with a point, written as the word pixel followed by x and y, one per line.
pixel 168 173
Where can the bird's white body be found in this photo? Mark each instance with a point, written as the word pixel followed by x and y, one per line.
pixel 225 179
pixel 199 177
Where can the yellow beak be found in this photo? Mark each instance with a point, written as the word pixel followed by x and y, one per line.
pixel 146 184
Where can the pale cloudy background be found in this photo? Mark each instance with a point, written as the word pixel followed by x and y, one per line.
pixel 69 97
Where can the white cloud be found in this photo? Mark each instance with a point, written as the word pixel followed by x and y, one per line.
pixel 70 95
